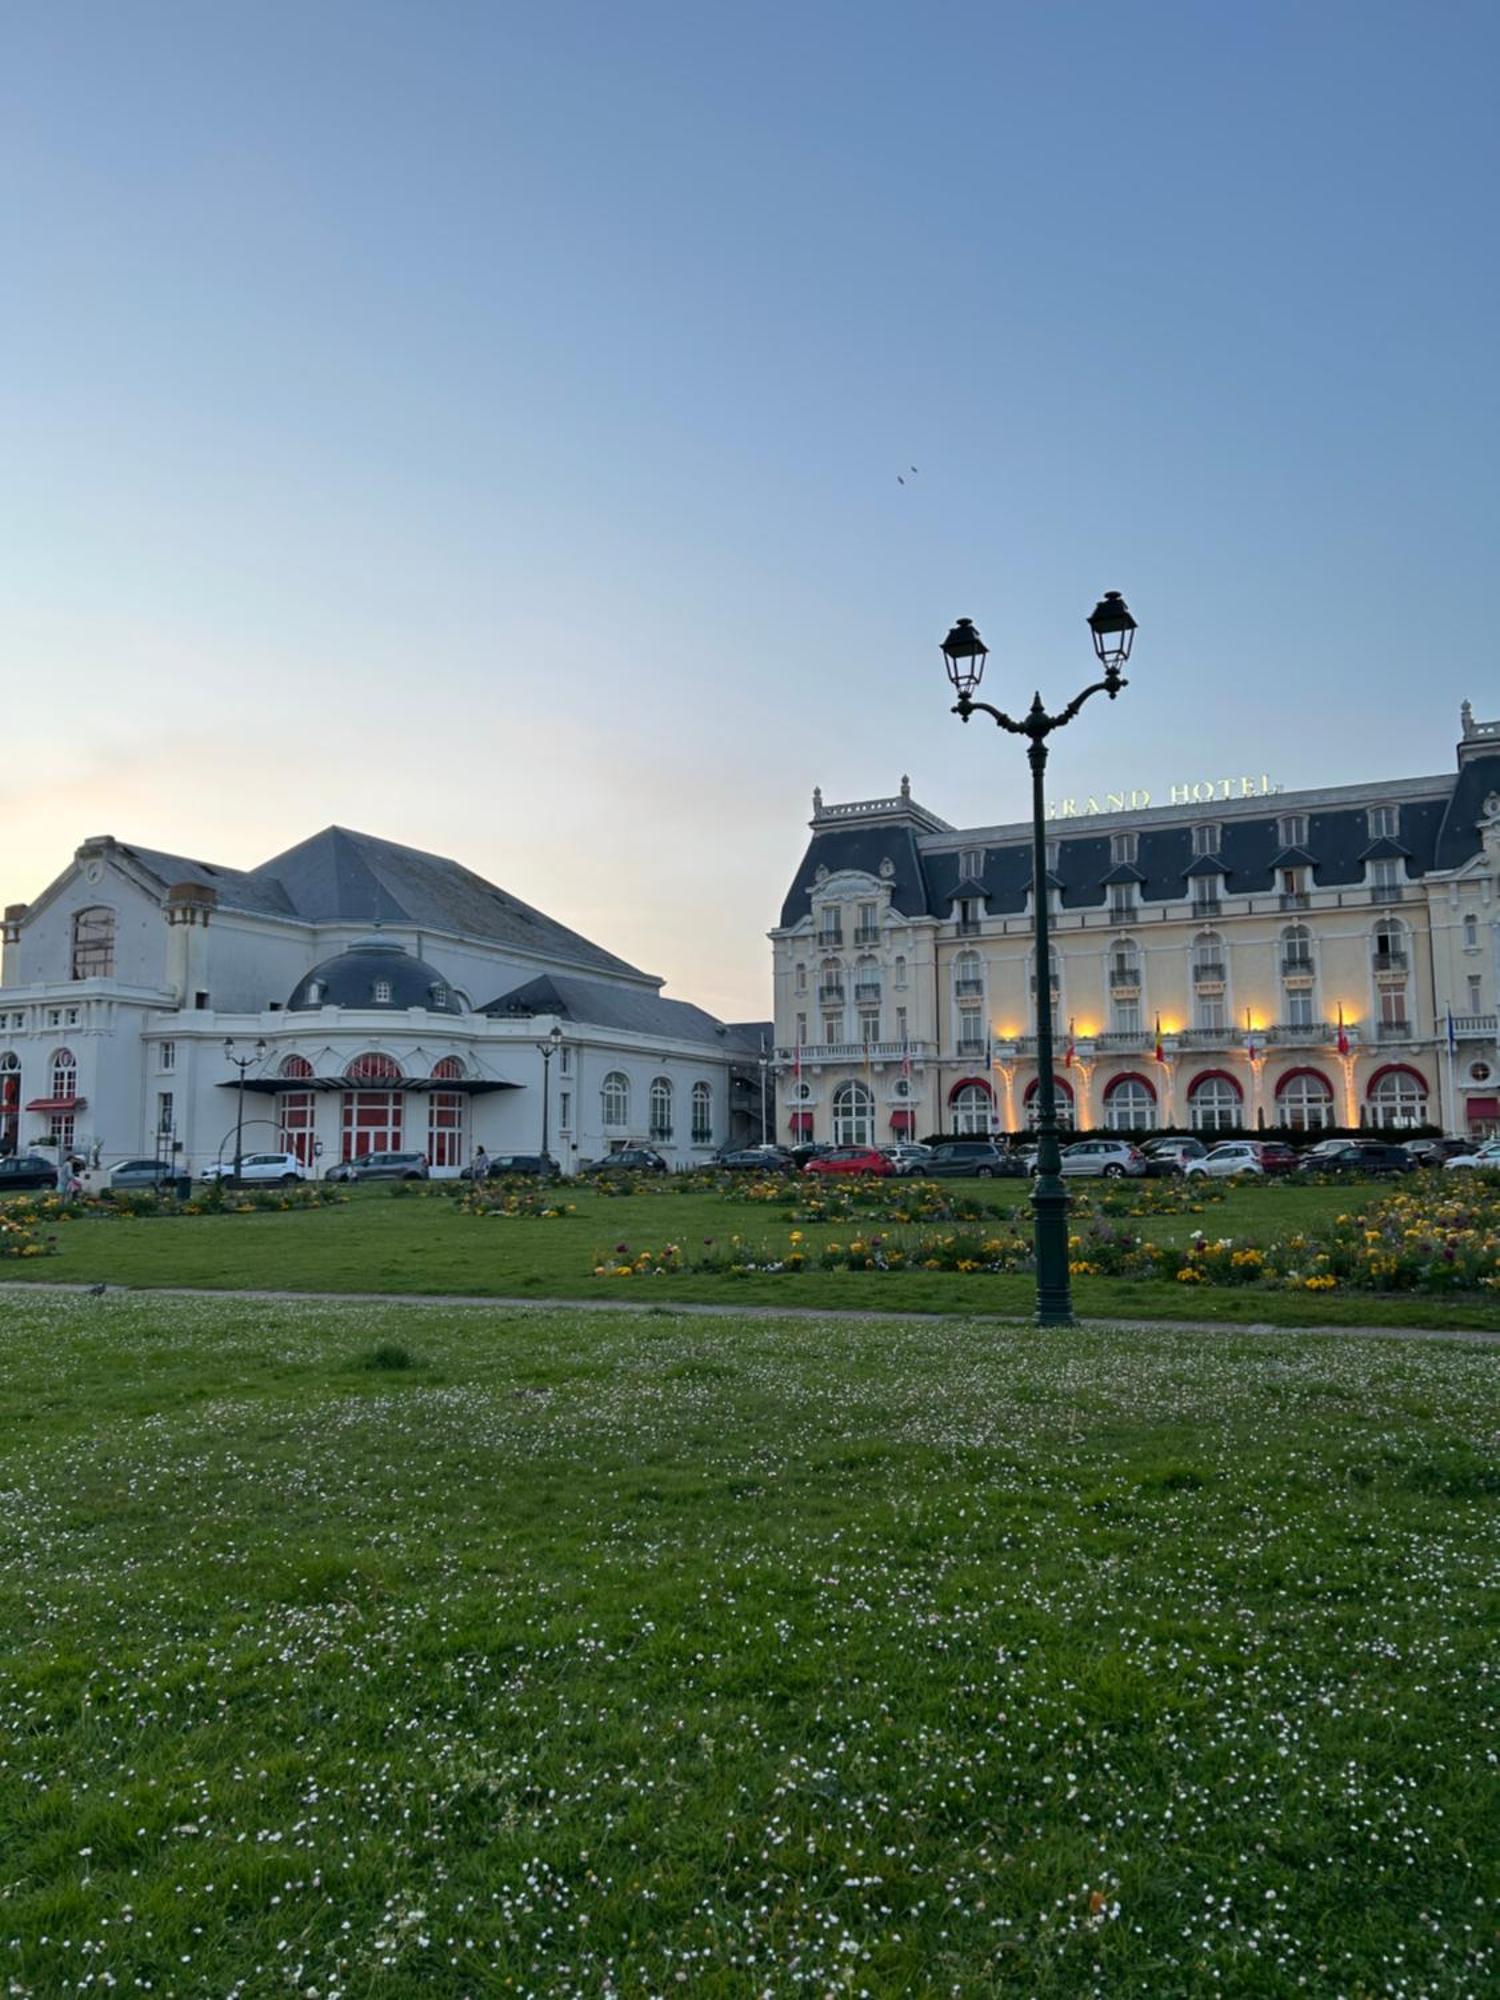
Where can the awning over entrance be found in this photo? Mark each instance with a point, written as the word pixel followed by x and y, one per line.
pixel 58 1104
pixel 1478 1108
pixel 276 1086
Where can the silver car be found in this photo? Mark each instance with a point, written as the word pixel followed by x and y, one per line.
pixel 1113 1158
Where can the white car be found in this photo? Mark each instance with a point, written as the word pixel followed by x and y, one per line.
pixel 1232 1156
pixel 906 1157
pixel 1110 1157
pixel 1487 1155
pixel 279 1168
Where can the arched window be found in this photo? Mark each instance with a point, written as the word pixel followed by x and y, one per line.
pixel 968 975
pixel 94 943
pixel 972 1109
pixel 830 983
pixel 1396 1097
pixel 614 1097
pixel 899 973
pixel 1129 1104
pixel 64 1074
pixel 449 1068
pixel 372 1117
pixel 661 1109
pixel 1215 1103
pixel 853 1115
pixel 703 1115
pixel 295 1066
pixel 10 1101
pixel 867 982
pixel 1304 1101
pixel 1064 1094
pixel 1471 933
pixel 296 1111
pixel 1208 958
pixel 1296 951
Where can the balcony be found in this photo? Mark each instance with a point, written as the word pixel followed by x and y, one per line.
pixel 970 1049
pixel 1474 1027
pixel 1123 1043
pixel 1125 979
pixel 1386 892
pixel 970 988
pixel 1295 899
pixel 867 992
pixel 830 996
pixel 855 1052
pixel 1056 988
pixel 1208 906
pixel 1389 962
pixel 967 926
pixel 1208 972
pixel 866 934
pixel 830 940
pixel 1297 967
pixel 1393 1031
pixel 1302 1034
pixel 1205 1038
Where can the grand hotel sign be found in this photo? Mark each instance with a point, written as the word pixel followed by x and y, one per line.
pixel 1205 792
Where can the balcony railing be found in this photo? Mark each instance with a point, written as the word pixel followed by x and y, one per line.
pixel 1054 983
pixel 1207 906
pixel 1125 1042
pixel 823 1052
pixel 1295 899
pixel 867 991
pixel 1125 979
pixel 830 996
pixel 970 1048
pixel 1386 892
pixel 866 934
pixel 972 987
pixel 967 927
pixel 1393 1031
pixel 1390 961
pixel 1208 971
pixel 1474 1027
pixel 1302 1034
pixel 1206 1038
pixel 1296 967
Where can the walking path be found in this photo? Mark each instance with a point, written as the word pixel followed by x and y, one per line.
pixel 1465 1336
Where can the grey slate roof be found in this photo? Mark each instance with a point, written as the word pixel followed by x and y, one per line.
pixel 349 980
pixel 342 877
pixel 593 1003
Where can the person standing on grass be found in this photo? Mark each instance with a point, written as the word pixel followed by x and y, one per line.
pixel 480 1166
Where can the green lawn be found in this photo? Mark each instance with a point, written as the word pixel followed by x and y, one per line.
pixel 421 1243
pixel 608 1654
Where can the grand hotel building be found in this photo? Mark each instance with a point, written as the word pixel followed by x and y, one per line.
pixel 1310 959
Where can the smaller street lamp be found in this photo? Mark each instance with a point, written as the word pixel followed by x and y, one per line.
pixel 241 1063
pixel 764 1066
pixel 547 1048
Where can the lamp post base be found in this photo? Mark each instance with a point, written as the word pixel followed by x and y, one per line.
pixel 1054 1289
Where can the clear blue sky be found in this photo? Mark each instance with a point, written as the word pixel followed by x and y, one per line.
pixel 480 424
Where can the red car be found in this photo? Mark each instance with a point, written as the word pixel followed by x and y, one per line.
pixel 850 1160
pixel 1276 1157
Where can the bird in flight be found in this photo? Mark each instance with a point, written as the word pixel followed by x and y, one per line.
pixel 900 478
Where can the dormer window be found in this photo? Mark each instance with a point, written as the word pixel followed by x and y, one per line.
pixel 1122 904
pixel 971 864
pixel 1206 839
pixel 314 992
pixel 1385 880
pixel 1385 822
pixel 1294 888
pixel 439 995
pixel 968 910
pixel 1122 847
pixel 1291 829
pixel 382 992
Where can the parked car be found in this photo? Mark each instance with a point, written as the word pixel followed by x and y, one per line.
pixel 1313 1156
pixel 381 1167
pixel 1230 1156
pixel 540 1165
pixel 259 1169
pixel 1276 1156
pixel 1438 1152
pixel 1367 1156
pixel 754 1160
pixel 1113 1158
pixel 629 1160
pixel 22 1171
pixel 850 1160
pixel 906 1157
pixel 975 1159
pixel 142 1173
pixel 1173 1153
pixel 1487 1155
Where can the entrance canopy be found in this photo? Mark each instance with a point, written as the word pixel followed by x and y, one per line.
pixel 277 1086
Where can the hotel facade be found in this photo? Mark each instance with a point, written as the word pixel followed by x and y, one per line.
pixel 1305 960
pixel 383 999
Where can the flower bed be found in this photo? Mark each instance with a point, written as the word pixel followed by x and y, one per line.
pixel 524 1202
pixel 1436 1240
pixel 915 1201
pixel 128 1204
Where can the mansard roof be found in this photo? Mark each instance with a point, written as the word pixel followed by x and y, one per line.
pixel 597 1003
pixel 1436 829
pixel 338 876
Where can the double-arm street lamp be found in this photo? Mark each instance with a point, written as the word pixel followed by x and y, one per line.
pixel 547 1048
pixel 965 653
pixel 241 1063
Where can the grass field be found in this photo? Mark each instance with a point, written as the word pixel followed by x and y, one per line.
pixel 423 1244
pixel 599 1653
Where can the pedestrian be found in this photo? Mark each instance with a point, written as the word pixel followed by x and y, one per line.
pixel 480 1167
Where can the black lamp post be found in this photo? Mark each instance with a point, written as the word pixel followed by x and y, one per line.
pixel 764 1065
pixel 965 653
pixel 547 1049
pixel 241 1063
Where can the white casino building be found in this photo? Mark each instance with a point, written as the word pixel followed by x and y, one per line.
pixel 400 999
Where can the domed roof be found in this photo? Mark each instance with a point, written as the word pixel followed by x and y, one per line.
pixel 374 974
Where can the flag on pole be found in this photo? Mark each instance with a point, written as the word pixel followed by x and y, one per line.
pixel 1452 1035
pixel 1343 1043
pixel 1068 1051
pixel 1250 1049
pixel 1161 1054
pixel 905 1057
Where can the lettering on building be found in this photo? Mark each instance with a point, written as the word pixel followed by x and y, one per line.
pixel 1202 792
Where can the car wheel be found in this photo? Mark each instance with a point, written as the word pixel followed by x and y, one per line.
pixel 985 1174
pixel 1113 1173
pixel 411 1177
pixel 289 1180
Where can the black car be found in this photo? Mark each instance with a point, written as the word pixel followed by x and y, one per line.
pixel 755 1160
pixel 1366 1156
pixel 1434 1152
pixel 972 1159
pixel 22 1171
pixel 539 1166
pixel 629 1160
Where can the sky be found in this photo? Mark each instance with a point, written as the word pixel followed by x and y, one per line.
pixel 482 425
